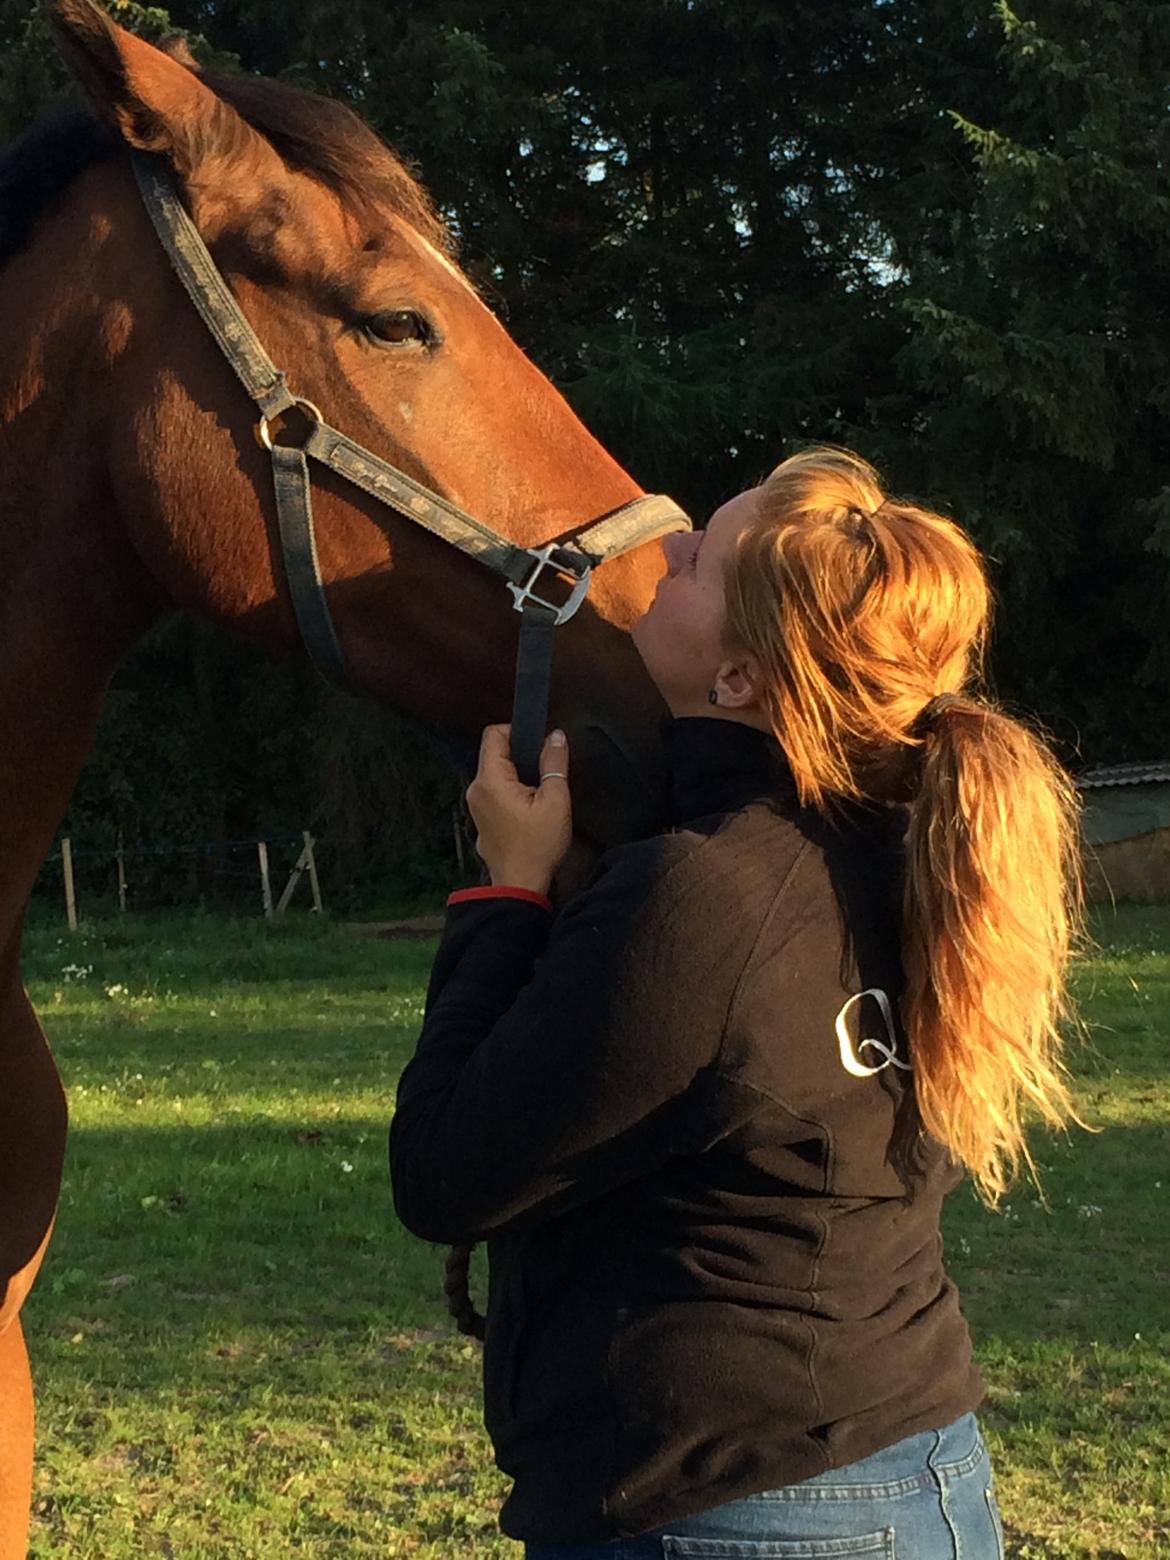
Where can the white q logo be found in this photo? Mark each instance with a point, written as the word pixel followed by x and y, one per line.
pixel 887 1049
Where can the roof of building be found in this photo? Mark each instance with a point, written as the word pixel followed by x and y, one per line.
pixel 1124 774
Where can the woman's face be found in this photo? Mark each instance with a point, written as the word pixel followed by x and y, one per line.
pixel 680 635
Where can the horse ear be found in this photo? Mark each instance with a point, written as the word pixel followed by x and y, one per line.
pixel 152 96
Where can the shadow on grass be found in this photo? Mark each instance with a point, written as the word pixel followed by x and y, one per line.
pixel 268 1222
pixel 198 953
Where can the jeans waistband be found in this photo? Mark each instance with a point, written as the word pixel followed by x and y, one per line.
pixel 920 1459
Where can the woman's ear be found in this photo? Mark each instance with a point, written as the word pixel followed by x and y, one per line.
pixel 736 683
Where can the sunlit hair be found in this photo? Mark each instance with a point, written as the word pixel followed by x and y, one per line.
pixel 861 609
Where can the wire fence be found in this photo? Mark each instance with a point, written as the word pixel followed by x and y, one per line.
pixel 265 874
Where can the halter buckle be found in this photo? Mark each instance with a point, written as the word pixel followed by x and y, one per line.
pixel 556 557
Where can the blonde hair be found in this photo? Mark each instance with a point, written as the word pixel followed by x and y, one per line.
pixel 860 610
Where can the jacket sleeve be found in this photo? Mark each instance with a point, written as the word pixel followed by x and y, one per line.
pixel 546 1075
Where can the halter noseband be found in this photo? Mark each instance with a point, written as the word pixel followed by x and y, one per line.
pixel 524 569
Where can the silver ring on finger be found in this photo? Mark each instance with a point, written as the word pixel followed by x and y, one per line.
pixel 553 774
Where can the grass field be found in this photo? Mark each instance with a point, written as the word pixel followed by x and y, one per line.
pixel 238 1353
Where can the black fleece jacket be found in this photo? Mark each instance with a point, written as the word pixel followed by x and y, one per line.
pixel 681 1115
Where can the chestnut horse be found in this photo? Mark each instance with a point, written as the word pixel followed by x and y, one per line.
pixel 133 484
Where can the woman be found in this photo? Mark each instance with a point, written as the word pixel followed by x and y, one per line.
pixel 706 1117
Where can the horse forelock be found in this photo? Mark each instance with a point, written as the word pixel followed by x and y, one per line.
pixel 329 141
pixel 314 135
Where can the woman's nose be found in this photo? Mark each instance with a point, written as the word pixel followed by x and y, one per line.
pixel 676 545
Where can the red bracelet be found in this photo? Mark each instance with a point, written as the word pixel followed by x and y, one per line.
pixel 500 891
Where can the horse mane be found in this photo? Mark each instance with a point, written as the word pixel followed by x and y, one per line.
pixel 313 134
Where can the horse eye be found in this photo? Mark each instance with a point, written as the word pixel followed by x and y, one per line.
pixel 398 327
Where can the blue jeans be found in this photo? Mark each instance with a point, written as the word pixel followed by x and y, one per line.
pixel 928 1497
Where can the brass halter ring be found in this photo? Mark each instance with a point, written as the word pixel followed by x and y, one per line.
pixel 262 427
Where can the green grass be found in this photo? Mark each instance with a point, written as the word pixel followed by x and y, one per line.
pixel 238 1353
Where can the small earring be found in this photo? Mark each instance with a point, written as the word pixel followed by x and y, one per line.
pixel 712 697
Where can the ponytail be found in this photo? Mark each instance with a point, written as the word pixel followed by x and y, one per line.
pixel 991 907
pixel 863 613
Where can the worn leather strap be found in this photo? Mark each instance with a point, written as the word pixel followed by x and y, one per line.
pixel 298 545
pixel 534 655
pixel 390 486
pixel 207 290
pixel 641 520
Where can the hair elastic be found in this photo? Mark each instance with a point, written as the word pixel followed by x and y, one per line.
pixel 928 716
pixel 861 516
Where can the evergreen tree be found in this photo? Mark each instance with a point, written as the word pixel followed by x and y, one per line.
pixel 1041 349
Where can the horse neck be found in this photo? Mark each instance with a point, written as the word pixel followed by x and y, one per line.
pixel 73 596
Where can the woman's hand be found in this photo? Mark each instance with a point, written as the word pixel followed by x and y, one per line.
pixel 523 831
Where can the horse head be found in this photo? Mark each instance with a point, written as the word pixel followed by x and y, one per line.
pixel 344 270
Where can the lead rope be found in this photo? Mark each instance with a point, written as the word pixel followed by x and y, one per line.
pixel 457 1292
pixel 529 723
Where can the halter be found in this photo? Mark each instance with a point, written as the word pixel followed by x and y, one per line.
pixel 528 572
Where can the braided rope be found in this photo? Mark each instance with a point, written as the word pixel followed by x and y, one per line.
pixel 458 1294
